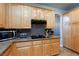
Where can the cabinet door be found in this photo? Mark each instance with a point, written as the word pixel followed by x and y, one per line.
pixel 26 17
pixel 46 49
pixel 37 50
pixel 74 14
pixel 2 15
pixel 38 13
pixel 67 41
pixel 17 16
pixel 24 51
pixel 41 14
pixel 55 48
pixel 8 16
pixel 73 36
pixel 14 14
pixel 35 14
pixel 50 17
pixel 76 39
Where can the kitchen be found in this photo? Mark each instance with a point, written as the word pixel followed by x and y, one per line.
pixel 30 30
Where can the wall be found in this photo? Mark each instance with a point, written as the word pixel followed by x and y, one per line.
pixel 57 25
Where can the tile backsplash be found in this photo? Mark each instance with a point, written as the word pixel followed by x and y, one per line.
pixel 38 29
pixel 23 33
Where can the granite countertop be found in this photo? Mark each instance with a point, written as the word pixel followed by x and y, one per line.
pixel 5 44
pixel 21 40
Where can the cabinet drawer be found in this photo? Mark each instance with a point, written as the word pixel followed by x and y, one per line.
pixel 55 40
pixel 46 41
pixel 23 44
pixel 37 42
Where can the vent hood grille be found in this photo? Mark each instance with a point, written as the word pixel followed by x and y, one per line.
pixel 38 21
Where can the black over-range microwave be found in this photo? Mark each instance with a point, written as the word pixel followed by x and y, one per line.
pixel 6 35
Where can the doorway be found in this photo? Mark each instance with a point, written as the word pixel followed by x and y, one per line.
pixel 58 28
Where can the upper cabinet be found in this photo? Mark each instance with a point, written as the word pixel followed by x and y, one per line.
pixel 38 13
pixel 41 14
pixel 35 15
pixel 18 16
pixel 26 17
pixel 2 15
pixel 50 17
pixel 44 14
pixel 75 15
pixel 13 16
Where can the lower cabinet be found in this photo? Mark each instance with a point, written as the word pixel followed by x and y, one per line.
pixel 46 49
pixel 24 51
pixel 55 48
pixel 37 50
pixel 23 48
pixel 34 48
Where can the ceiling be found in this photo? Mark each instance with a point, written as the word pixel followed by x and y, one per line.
pixel 63 6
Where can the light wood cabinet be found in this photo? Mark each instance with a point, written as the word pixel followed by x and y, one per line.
pixel 23 49
pixel 74 14
pixel 46 41
pixel 46 49
pixel 44 14
pixel 71 30
pixel 50 17
pixel 55 47
pixel 18 16
pixel 37 50
pixel 26 17
pixel 23 44
pixel 2 15
pixel 35 15
pixel 38 13
pixel 13 16
pixel 75 37
pixel 39 42
pixel 34 48
pixel 41 14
